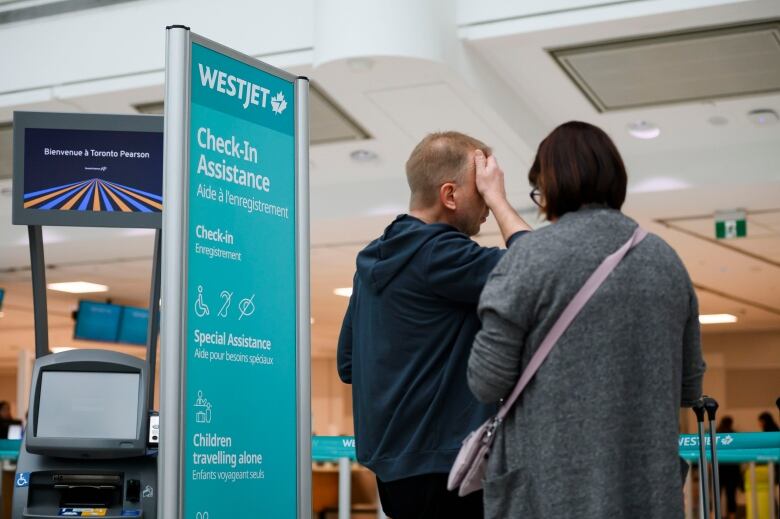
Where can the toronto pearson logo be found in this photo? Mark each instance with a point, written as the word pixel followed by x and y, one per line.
pixel 278 103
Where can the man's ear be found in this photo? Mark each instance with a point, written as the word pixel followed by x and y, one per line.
pixel 447 195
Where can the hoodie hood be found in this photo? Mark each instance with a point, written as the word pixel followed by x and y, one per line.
pixel 386 256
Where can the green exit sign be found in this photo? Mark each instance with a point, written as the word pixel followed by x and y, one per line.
pixel 730 224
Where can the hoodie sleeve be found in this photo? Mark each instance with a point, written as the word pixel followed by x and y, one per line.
pixel 457 267
pixel 344 352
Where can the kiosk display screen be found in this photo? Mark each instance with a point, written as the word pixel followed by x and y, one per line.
pixel 97 321
pixel 90 170
pixel 87 170
pixel 78 404
pixel 134 325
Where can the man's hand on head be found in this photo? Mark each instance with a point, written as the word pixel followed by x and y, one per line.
pixel 490 179
pixel 490 184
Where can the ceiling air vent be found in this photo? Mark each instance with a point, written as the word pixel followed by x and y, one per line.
pixel 328 122
pixel 675 68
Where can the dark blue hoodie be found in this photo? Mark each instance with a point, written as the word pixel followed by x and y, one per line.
pixel 405 343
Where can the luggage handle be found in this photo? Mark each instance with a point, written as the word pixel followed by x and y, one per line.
pixel 709 406
pixel 704 487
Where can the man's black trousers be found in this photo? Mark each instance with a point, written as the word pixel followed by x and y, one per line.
pixel 426 497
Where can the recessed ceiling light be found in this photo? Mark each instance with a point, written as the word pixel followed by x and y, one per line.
pixel 763 117
pixel 311 320
pixel 717 318
pixel 343 292
pixel 653 184
pixel 77 287
pixel 644 130
pixel 363 156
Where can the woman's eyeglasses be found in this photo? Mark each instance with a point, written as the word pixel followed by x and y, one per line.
pixel 536 196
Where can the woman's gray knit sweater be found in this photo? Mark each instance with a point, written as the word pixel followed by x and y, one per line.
pixel 594 435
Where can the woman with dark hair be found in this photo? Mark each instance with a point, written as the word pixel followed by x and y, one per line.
pixel 594 434
pixel 730 473
pixel 768 424
pixel 5 410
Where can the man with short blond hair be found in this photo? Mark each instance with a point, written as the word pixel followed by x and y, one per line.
pixel 435 160
pixel 406 337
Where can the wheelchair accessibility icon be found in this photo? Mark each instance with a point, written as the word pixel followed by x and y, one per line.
pixel 23 479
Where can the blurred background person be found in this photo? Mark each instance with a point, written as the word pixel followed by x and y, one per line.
pixel 7 419
pixel 730 473
pixel 5 410
pixel 767 423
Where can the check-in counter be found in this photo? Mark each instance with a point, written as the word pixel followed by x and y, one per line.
pixel 9 452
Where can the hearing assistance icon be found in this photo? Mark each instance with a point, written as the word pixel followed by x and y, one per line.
pixel 226 298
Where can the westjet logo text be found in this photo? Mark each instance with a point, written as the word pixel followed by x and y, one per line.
pixel 246 92
pixel 693 441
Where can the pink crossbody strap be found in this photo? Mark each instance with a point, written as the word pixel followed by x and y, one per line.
pixel 569 313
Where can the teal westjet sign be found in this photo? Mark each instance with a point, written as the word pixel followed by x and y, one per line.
pixel 240 436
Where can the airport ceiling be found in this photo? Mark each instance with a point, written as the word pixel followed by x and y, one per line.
pixel 709 156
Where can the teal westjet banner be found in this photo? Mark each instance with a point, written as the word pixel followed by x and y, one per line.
pixel 732 448
pixel 732 441
pixel 240 436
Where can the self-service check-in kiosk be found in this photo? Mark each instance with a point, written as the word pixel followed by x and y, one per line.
pixel 90 444
pixel 85 452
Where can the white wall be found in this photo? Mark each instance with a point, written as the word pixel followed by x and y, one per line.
pixel 8 390
pixel 743 374
pixel 331 400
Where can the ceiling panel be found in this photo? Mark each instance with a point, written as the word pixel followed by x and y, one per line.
pixel 762 240
pixel 674 68
pixel 421 109
pixel 770 220
pixel 749 317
